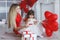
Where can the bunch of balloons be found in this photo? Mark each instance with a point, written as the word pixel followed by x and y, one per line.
pixel 25 3
pixel 50 24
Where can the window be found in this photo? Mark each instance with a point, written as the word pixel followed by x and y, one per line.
pixel 4 7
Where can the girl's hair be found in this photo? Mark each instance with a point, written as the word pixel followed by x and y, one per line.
pixel 12 15
pixel 31 12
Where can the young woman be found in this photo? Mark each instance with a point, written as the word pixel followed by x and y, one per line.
pixel 14 18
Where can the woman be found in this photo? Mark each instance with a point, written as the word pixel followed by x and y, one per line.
pixel 14 18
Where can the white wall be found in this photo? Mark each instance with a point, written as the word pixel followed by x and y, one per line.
pixel 57 8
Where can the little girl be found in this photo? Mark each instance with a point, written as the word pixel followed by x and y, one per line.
pixel 31 24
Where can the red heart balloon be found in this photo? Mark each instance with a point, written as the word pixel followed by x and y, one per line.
pixel 54 26
pixel 47 14
pixel 26 10
pixel 44 23
pixel 22 5
pixel 49 32
pixel 53 17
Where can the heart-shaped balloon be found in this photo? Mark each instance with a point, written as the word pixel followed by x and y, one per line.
pixel 54 26
pixel 26 10
pixel 47 14
pixel 49 32
pixel 22 5
pixel 44 23
pixel 53 17
pixel 50 23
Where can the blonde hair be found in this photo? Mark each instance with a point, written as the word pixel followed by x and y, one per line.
pixel 12 16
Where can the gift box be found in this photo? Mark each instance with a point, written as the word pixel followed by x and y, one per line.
pixel 27 35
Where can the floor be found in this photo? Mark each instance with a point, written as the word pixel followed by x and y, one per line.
pixel 12 36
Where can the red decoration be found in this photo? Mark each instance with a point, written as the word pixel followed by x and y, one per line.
pixel 54 26
pixel 23 6
pixel 47 14
pixel 49 32
pixel 44 23
pixel 50 23
pixel 53 17
pixel 26 10
pixel 24 3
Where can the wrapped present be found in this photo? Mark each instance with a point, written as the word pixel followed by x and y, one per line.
pixel 27 35
pixel 33 36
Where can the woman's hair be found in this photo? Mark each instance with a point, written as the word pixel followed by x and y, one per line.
pixel 12 15
pixel 31 12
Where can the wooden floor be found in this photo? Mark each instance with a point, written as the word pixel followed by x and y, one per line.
pixel 12 36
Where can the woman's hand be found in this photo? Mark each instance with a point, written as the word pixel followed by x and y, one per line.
pixel 16 28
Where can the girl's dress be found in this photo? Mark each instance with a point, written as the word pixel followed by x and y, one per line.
pixel 32 27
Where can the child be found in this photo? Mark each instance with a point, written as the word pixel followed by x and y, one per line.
pixel 31 24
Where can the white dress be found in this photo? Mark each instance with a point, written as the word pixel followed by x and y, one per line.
pixel 32 27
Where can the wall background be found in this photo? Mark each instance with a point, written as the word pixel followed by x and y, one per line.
pixel 38 8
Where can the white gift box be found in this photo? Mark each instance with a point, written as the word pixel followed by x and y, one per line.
pixel 33 36
pixel 27 35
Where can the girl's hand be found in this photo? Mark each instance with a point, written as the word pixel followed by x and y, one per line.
pixel 35 22
pixel 26 25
